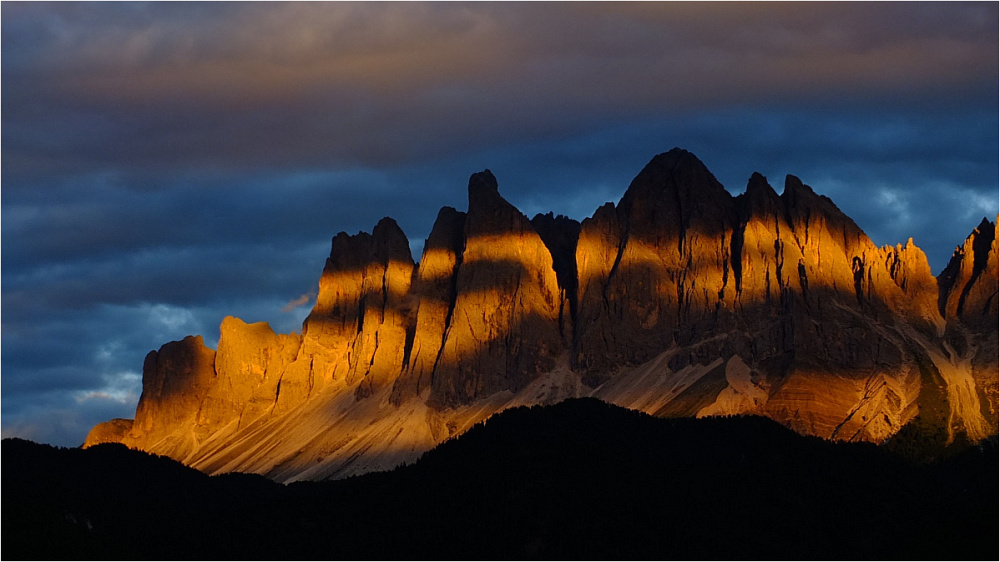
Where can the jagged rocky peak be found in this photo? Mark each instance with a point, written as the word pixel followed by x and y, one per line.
pixel 805 207
pixel 356 331
pixel 387 242
pixel 249 364
pixel 965 284
pixel 759 198
pixel 489 213
pixel 504 323
pixel 434 292
pixel 674 190
pixel 649 274
pixel 482 184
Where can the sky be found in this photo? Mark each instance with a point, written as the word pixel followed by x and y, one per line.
pixel 165 165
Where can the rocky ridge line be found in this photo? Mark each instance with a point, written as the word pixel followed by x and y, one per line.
pixel 679 300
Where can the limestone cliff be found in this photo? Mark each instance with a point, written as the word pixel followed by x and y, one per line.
pixel 504 328
pixel 968 298
pixel 434 290
pixel 679 300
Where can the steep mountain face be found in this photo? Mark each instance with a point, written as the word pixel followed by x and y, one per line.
pixel 681 300
pixel 504 329
pixel 968 298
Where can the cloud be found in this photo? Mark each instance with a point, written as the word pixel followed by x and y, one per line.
pixel 303 300
pixel 378 85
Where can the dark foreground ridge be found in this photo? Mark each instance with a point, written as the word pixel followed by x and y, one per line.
pixel 581 479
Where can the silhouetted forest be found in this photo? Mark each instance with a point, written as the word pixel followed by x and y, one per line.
pixel 580 479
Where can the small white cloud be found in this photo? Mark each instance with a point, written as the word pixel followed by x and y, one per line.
pixel 172 317
pixel 121 388
pixel 304 299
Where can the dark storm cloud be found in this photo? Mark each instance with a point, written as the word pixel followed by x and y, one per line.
pixel 167 164
pixel 377 84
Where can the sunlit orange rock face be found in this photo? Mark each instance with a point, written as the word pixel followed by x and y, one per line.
pixel 504 329
pixel 435 291
pixel 249 366
pixel 356 332
pixel 111 431
pixel 175 382
pixel 681 300
pixel 968 299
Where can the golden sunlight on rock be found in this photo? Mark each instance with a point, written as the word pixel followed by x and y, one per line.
pixel 112 431
pixel 506 307
pixel 681 300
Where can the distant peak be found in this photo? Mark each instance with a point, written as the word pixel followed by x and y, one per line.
pixel 797 193
pixel 759 197
pixel 676 158
pixel 794 185
pixel 482 181
pixel 758 182
pixel 388 224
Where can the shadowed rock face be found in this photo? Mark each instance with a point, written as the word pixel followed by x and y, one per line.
pixel 435 291
pixel 175 381
pixel 681 300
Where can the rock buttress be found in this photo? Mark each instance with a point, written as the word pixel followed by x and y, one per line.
pixel 654 272
pixel 504 328
pixel 356 332
pixel 175 380
pixel 435 291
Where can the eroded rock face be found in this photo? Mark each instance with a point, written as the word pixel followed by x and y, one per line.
pixel 560 235
pixel 357 330
pixel 504 328
pixel 787 284
pixel 435 291
pixel 968 288
pixel 651 272
pixel 968 299
pixel 681 300
pixel 249 365
pixel 175 380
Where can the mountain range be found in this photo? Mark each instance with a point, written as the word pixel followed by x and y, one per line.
pixel 681 300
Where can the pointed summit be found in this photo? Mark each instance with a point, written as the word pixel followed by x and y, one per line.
pixel 506 304
pixel 389 242
pixel 759 199
pixel 675 190
pixel 483 191
pixel 484 180
pixel 965 291
pixel 675 176
pixel 489 213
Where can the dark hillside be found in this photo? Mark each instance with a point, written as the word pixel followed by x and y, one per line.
pixel 580 479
